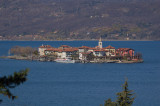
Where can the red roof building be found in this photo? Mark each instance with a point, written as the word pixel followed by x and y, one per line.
pixel 125 52
pixel 45 46
pixel 109 47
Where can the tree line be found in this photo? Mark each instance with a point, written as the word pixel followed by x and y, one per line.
pixel 23 51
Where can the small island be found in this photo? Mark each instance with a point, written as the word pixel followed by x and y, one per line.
pixel 84 54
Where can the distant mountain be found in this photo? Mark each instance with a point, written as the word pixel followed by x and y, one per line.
pixel 79 19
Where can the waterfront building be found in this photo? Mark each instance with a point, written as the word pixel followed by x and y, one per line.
pixel 61 53
pixel 53 52
pixel 42 48
pixel 64 46
pixel 125 52
pixel 99 52
pixel 69 53
pixel 83 49
pixel 110 51
pixel 82 53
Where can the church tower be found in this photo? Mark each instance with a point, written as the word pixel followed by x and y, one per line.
pixel 100 43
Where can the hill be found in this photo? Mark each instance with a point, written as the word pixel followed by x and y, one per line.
pixel 79 19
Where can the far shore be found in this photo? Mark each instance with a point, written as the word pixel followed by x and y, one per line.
pixel 81 40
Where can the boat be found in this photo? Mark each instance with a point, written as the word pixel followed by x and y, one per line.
pixel 64 60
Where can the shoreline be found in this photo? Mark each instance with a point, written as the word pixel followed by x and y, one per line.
pixel 79 40
pixel 49 60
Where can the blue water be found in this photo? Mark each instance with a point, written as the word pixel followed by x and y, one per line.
pixel 58 84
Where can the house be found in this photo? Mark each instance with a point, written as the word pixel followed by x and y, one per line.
pixel 91 49
pixel 83 49
pixel 86 53
pixel 59 53
pixel 64 46
pixel 69 52
pixel 85 56
pixel 53 52
pixel 42 48
pixel 125 52
pixel 110 51
pixel 99 52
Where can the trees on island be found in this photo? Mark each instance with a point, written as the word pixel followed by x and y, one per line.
pixel 124 98
pixel 12 81
pixel 23 51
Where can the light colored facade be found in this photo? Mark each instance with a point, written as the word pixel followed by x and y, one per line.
pixel 64 47
pixel 110 51
pixel 83 49
pixel 42 49
pixel 61 53
pixel 100 43
pixel 83 55
pixel 84 52
pixel 99 53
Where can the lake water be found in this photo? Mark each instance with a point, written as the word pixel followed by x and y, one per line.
pixel 60 84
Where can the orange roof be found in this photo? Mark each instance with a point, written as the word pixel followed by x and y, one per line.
pixel 45 46
pixel 97 47
pixel 64 46
pixel 60 50
pixel 50 49
pixel 110 47
pixel 84 47
pixel 92 48
pixel 70 49
pixel 74 48
pixel 54 49
pixel 124 49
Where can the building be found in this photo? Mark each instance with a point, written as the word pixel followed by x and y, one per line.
pixel 100 43
pixel 53 52
pixel 61 53
pixel 83 49
pixel 110 51
pixel 99 52
pixel 125 52
pixel 42 48
pixel 64 47
pixel 69 53
pixel 86 53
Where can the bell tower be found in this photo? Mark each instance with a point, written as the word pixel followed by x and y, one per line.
pixel 100 43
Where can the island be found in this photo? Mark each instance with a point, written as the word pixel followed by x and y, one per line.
pixel 83 54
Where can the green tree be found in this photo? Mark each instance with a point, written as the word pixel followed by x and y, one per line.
pixel 12 81
pixel 124 98
pixel 109 103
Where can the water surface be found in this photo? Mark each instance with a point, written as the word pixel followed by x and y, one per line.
pixel 59 84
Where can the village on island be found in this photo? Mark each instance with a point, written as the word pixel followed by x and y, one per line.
pixel 85 54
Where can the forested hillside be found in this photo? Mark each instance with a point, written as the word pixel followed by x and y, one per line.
pixel 79 19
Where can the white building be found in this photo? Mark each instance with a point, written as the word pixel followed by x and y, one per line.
pixel 99 53
pixel 42 48
pixel 110 51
